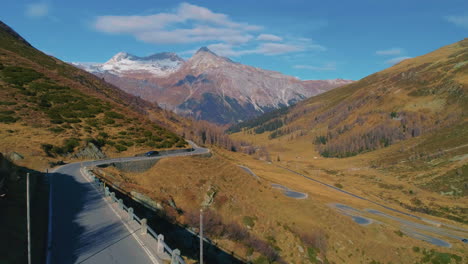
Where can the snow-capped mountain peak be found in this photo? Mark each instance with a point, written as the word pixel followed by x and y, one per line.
pixel 207 86
pixel 123 63
pixel 119 57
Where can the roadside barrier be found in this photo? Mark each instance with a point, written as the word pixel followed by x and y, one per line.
pixel 162 249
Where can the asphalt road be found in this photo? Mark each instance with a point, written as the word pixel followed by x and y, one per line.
pixel 459 234
pixel 82 227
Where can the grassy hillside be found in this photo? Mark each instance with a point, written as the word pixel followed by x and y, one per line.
pixel 50 108
pixel 399 135
pixel 245 215
pixel 416 97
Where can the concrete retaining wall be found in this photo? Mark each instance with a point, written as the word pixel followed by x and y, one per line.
pixel 132 166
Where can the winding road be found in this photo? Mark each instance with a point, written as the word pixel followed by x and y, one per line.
pixel 83 228
pixel 453 232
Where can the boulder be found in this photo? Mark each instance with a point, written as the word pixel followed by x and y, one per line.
pixel 14 156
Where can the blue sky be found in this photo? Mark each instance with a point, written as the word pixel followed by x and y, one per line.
pixel 304 38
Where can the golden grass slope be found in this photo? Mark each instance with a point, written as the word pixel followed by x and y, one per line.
pixel 424 173
pixel 279 220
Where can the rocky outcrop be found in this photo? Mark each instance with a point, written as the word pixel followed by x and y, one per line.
pixel 209 196
pixel 15 156
pixel 90 151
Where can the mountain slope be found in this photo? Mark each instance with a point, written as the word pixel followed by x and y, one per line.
pixel 399 132
pixel 415 97
pixel 49 108
pixel 210 87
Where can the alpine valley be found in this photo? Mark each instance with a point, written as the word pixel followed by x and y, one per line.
pixel 207 86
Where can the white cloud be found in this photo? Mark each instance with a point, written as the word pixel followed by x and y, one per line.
pixel 397 60
pixel 37 10
pixel 269 37
pixel 226 50
pixel 196 34
pixel 461 21
pixel 278 48
pixel 393 51
pixel 195 24
pixel 192 24
pixel 269 49
pixel 331 66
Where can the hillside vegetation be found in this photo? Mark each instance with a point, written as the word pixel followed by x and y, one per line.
pixel 50 108
pixel 243 214
pixel 416 97
pixel 402 133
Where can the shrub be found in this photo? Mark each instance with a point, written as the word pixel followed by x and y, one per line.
pixel 125 143
pixel 263 248
pixel 7 119
pixel 312 254
pixel 56 129
pixel 339 185
pixel 147 133
pixel 317 239
pixel 109 121
pixel 120 148
pixel 47 148
pixel 113 115
pixel 103 135
pixel 236 232
pixel 248 221
pixel 8 103
pixel 70 144
pixel 20 76
pixel 212 223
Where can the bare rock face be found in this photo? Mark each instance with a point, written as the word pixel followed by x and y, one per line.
pixel 15 156
pixel 90 152
pixel 209 196
pixel 207 86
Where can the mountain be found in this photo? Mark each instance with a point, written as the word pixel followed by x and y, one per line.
pixel 51 109
pixel 124 64
pixel 207 86
pixel 399 132
pixel 415 97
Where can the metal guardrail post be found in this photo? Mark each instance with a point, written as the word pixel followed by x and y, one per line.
pixel 106 191
pixel 160 246
pixel 144 226
pixel 130 214
pixel 175 256
pixel 120 201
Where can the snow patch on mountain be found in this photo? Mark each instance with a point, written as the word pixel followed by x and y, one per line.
pixel 158 65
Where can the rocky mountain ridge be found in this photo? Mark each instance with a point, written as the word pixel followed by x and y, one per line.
pixel 207 86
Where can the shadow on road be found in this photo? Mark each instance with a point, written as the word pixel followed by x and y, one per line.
pixel 176 236
pixel 75 204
